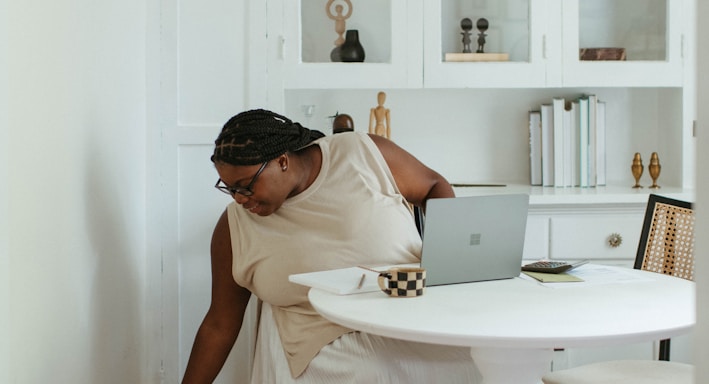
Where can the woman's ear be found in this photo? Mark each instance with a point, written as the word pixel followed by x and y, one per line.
pixel 283 162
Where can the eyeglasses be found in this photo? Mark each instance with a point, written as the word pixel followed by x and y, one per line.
pixel 244 191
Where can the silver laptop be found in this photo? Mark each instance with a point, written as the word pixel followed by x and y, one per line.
pixel 477 238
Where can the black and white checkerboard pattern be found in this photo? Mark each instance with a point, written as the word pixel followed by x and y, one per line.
pixel 406 284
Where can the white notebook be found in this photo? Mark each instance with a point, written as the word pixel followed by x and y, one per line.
pixel 343 281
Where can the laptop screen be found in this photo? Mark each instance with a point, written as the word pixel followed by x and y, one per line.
pixel 474 238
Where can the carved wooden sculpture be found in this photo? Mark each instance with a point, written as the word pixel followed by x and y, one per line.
pixel 379 120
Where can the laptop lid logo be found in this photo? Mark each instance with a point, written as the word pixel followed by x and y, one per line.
pixel 475 238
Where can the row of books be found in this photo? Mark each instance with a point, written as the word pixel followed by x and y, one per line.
pixel 567 143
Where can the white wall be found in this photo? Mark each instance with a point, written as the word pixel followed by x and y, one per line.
pixel 74 130
pixel 424 121
pixel 5 348
pixel 209 71
pixel 701 352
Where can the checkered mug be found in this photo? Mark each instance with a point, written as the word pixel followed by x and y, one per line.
pixel 403 282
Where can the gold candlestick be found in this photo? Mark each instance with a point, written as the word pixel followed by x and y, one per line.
pixel 637 169
pixel 654 169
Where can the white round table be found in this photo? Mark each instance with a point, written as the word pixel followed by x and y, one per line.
pixel 513 325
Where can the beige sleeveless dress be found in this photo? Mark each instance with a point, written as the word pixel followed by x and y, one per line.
pixel 352 214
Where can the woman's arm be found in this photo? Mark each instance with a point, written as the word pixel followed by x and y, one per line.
pixel 220 327
pixel 416 181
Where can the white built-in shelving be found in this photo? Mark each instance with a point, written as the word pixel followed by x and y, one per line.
pixel 468 120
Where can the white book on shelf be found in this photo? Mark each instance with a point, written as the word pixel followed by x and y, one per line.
pixel 583 142
pixel 592 138
pixel 558 113
pixel 568 139
pixel 575 143
pixel 601 143
pixel 535 147
pixel 547 118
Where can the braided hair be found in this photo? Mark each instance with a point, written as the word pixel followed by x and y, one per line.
pixel 258 135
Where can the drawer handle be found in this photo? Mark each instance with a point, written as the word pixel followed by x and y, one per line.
pixel 615 239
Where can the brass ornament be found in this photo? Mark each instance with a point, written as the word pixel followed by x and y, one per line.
pixel 615 239
pixel 654 169
pixel 637 169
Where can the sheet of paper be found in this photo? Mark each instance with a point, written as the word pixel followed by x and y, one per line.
pixel 594 274
pixel 601 274
pixel 553 277
pixel 343 281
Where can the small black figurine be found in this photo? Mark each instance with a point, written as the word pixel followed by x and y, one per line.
pixel 482 25
pixel 466 24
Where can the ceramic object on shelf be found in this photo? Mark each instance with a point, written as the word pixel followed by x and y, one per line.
pixel 335 54
pixel 342 122
pixel 351 51
pixel 601 54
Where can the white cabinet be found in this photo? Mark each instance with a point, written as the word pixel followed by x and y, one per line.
pixel 596 235
pixel 516 27
pixel 651 31
pixel 575 227
pixel 476 111
pixel 543 39
pixel 406 41
pixel 536 238
pixel 574 234
pixel 388 30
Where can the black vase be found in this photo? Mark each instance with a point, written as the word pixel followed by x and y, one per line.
pixel 351 51
pixel 335 54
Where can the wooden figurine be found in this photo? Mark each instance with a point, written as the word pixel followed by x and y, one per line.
pixel 339 18
pixel 637 169
pixel 654 169
pixel 379 120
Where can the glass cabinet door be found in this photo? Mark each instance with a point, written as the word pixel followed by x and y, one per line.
pixel 486 43
pixel 633 43
pixel 388 31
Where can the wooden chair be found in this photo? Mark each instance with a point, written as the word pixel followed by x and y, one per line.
pixel 419 218
pixel 666 246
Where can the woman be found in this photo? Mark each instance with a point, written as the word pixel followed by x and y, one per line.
pixel 304 202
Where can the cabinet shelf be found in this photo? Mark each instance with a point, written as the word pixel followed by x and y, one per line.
pixel 479 135
pixel 545 197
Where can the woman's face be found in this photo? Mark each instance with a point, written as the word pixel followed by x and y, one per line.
pixel 268 187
